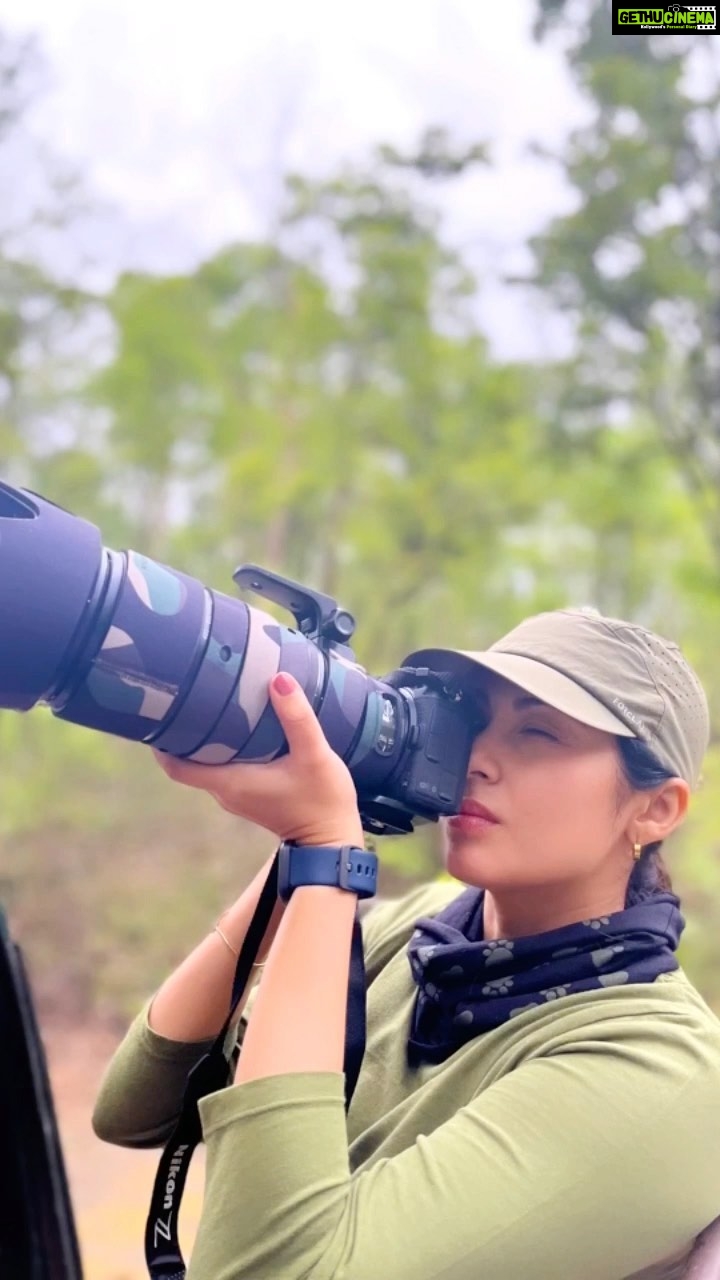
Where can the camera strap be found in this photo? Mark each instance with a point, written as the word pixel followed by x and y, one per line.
pixel 162 1246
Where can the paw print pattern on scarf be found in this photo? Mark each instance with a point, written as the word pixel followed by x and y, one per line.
pixel 464 1018
pixel 420 958
pixel 554 993
pixel 598 923
pixel 605 954
pixel 497 987
pixel 514 1013
pixel 494 952
pixel 425 953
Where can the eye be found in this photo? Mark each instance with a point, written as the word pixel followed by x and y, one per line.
pixel 536 731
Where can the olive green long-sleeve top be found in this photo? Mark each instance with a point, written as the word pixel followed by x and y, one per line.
pixel 577 1141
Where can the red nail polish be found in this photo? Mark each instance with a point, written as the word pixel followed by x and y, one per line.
pixel 283 683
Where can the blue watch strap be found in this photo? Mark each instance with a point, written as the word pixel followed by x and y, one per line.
pixel 339 866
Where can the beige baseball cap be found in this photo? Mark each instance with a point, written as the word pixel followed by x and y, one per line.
pixel 605 672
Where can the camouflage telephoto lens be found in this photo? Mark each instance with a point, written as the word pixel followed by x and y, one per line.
pixel 119 643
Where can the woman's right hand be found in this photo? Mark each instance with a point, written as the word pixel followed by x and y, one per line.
pixel 307 795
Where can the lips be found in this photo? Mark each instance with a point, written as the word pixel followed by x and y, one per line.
pixel 473 809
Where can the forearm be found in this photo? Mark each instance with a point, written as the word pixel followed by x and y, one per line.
pixel 141 1092
pixel 193 1003
pixel 299 1015
pixel 298 1021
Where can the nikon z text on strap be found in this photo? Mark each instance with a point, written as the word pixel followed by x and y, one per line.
pixel 162 1247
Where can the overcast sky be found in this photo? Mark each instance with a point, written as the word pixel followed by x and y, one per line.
pixel 183 118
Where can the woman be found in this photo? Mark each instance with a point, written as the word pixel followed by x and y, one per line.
pixel 540 1093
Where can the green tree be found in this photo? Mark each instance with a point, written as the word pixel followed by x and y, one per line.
pixel 39 314
pixel 636 266
pixel 635 269
pixel 326 406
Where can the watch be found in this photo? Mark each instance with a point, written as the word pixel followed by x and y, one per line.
pixel 339 866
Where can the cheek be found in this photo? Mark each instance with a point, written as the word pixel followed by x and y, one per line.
pixel 571 809
pixel 560 821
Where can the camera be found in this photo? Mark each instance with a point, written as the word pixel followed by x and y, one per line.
pixel 118 642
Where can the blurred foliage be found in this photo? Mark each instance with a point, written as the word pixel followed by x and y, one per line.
pixel 327 405
pixel 635 268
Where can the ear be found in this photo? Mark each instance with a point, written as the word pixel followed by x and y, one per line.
pixel 660 812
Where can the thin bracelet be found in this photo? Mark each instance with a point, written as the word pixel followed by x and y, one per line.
pixel 226 940
pixel 230 947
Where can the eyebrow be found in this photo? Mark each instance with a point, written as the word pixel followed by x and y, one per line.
pixel 527 700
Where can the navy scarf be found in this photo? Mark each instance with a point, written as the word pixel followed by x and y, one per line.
pixel 466 985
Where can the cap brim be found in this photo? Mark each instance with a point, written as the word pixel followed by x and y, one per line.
pixel 543 682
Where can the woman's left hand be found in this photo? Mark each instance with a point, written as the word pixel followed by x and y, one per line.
pixel 306 795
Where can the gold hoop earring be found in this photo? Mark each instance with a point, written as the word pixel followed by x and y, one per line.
pixel 637 850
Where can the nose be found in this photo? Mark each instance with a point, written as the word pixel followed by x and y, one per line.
pixel 484 762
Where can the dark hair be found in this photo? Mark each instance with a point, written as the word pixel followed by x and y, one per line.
pixel 642 772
